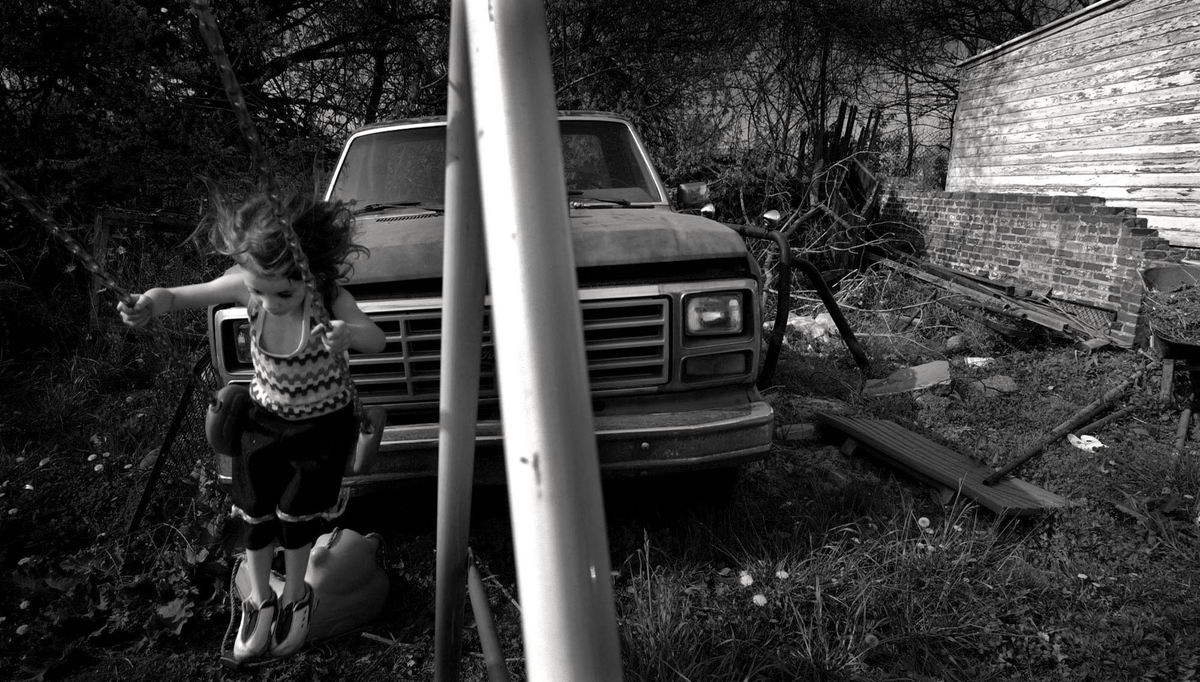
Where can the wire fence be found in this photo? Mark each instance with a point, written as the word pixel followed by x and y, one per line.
pixel 919 160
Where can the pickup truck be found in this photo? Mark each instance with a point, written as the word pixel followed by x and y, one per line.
pixel 670 305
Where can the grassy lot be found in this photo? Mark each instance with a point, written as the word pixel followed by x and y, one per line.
pixel 819 566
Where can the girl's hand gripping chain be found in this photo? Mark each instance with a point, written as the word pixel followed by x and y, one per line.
pixel 145 307
pixel 335 336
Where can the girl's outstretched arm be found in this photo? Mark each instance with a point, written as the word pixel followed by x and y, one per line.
pixel 228 288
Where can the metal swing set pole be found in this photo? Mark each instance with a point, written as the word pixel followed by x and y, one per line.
pixel 462 329
pixel 560 541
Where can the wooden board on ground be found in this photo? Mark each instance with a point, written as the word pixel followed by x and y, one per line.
pixel 938 464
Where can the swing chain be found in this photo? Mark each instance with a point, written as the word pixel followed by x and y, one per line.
pixel 81 254
pixel 211 34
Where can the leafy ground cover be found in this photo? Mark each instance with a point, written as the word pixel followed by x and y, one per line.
pixel 817 566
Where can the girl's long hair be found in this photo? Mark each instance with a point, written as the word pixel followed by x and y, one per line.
pixel 248 232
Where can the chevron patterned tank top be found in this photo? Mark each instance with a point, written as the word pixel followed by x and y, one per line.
pixel 303 384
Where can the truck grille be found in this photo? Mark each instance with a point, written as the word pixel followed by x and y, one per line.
pixel 626 341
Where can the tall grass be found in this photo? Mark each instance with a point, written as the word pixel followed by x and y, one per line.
pixel 898 593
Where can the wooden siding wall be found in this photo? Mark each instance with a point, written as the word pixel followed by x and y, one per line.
pixel 1104 103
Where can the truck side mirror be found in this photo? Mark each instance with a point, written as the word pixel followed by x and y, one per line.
pixel 692 195
pixel 770 220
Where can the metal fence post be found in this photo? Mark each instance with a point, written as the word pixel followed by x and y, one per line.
pixel 559 534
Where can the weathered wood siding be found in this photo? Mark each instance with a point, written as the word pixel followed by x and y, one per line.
pixel 1104 102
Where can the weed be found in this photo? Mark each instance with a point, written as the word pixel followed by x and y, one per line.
pixel 817 566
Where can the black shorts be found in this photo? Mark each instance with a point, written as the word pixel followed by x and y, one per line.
pixel 292 468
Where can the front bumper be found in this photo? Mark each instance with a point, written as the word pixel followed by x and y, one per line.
pixel 628 444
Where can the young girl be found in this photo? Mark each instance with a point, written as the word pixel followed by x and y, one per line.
pixel 301 425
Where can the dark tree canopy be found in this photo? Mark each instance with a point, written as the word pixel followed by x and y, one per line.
pixel 116 103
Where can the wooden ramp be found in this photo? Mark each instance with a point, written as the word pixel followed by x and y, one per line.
pixel 937 464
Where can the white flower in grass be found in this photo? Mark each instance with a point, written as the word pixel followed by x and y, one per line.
pixel 923 522
pixel 781 574
pixel 759 600
pixel 746 580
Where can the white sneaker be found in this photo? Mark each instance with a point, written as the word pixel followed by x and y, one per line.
pixel 254 634
pixel 291 626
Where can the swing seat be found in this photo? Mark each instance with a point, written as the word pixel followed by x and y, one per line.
pixel 227 414
pixel 362 460
pixel 225 418
pixel 349 586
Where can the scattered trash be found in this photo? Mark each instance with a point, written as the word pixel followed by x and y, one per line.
pixel 1085 443
pixel 978 362
pixel 909 379
pixel 812 327
pixel 955 344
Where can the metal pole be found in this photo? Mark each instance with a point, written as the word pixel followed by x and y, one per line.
pixel 462 322
pixel 567 614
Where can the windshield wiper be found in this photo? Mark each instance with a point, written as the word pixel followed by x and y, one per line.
pixel 370 208
pixel 580 200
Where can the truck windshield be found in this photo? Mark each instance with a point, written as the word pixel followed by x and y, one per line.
pixel 405 167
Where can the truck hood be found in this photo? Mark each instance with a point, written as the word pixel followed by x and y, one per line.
pixel 406 247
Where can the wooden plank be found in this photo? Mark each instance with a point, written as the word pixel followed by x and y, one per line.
pixel 1168 209
pixel 1153 60
pixel 1166 387
pixel 996 302
pixel 1173 114
pixel 1170 145
pixel 1185 182
pixel 1168 89
pixel 1166 121
pixel 1042 124
pixel 1148 169
pixel 931 461
pixel 1187 237
pixel 1171 44
pixel 1071 23
pixel 1140 22
pixel 1057 104
pixel 1115 195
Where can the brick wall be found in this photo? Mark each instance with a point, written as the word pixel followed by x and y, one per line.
pixel 1077 249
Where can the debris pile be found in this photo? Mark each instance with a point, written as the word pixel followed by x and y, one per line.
pixel 1174 315
pixel 976 296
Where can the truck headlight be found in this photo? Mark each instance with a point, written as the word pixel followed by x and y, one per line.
pixel 710 314
pixel 241 341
